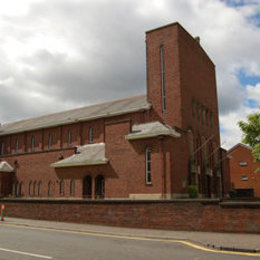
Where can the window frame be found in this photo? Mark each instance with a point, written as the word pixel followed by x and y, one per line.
pixel 91 135
pixel 50 141
pixel 69 138
pixel 148 168
pixel 163 89
pixel 16 145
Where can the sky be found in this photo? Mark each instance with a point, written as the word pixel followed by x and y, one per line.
pixel 62 54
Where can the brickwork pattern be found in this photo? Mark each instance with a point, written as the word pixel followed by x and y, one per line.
pixel 173 215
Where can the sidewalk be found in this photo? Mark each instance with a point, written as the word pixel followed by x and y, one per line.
pixel 224 241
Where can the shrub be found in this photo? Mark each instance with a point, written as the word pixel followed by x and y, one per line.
pixel 232 194
pixel 193 191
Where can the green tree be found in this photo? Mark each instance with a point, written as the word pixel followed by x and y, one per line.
pixel 251 133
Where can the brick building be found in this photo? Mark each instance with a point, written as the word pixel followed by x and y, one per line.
pixel 244 178
pixel 143 147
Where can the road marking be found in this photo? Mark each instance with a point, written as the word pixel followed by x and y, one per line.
pixel 129 237
pixel 25 253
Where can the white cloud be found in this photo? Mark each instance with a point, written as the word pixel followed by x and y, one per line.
pixel 60 54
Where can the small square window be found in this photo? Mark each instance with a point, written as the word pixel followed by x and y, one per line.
pixel 244 178
pixel 243 163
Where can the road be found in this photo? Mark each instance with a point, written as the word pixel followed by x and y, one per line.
pixel 26 243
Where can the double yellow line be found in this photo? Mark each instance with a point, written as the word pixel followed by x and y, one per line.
pixel 141 238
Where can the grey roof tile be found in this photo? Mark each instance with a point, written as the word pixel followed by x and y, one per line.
pixel 107 109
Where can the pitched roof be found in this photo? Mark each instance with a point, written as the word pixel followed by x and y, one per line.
pixel 6 167
pixel 151 129
pixel 90 154
pixel 107 109
pixel 237 145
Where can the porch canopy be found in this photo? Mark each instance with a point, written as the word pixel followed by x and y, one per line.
pixel 91 154
pixel 151 129
pixel 6 167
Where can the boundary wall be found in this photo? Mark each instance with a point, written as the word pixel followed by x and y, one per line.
pixel 189 215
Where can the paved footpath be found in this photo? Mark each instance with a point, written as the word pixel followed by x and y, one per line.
pixel 225 241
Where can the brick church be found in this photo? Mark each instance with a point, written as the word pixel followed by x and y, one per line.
pixel 149 146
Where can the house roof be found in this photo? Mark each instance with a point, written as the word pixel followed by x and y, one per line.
pixel 90 154
pixel 151 129
pixel 239 144
pixel 6 167
pixel 107 109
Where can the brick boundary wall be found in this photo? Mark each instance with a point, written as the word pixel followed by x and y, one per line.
pixel 190 215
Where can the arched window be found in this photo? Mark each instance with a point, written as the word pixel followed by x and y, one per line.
pixel 34 188
pixel 14 189
pixel 50 189
pixel 148 174
pixel 100 186
pixel 72 187
pixel 17 189
pixel 21 189
pixel 87 187
pixel 39 188
pixel 61 187
pixel 30 188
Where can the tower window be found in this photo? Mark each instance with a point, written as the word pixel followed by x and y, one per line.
pixel 163 79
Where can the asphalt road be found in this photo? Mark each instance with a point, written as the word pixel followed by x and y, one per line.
pixel 36 243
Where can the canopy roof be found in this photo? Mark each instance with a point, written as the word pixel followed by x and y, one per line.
pixel 151 129
pixel 91 154
pixel 6 167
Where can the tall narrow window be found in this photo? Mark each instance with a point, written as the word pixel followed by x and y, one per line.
pixel 148 175
pixel 2 148
pixel 211 119
pixel 30 188
pixel 207 116
pixel 16 145
pixel 91 135
pixel 32 143
pixel 72 187
pixel 50 189
pixel 21 189
pixel 39 188
pixel 34 188
pixel 62 187
pixel 50 141
pixel 163 79
pixel 198 111
pixel 193 108
pixel 69 138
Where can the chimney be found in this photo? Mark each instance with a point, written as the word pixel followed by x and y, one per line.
pixel 197 39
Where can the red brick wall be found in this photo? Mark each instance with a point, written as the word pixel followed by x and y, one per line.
pixel 173 215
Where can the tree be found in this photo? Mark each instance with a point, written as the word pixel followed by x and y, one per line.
pixel 251 133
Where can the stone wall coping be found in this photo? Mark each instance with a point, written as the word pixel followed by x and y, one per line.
pixel 107 201
pixel 240 204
